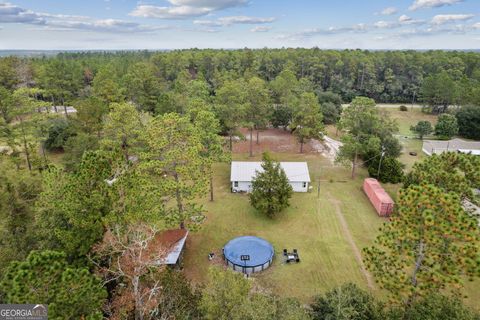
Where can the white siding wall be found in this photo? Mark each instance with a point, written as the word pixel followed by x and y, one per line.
pixel 299 186
pixel 246 186
pixel 243 186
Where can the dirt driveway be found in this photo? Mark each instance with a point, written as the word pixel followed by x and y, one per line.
pixel 275 140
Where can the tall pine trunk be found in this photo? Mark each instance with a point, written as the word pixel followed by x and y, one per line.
pixel 418 264
pixel 251 142
pixel 179 201
pixel 25 145
pixel 258 133
pixel 354 164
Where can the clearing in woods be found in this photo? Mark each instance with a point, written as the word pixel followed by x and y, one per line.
pixel 329 231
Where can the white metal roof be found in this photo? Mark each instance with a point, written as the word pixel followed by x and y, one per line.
pixel 472 151
pixel 246 170
pixel 438 146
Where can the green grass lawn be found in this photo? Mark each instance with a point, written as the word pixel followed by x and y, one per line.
pixel 406 119
pixel 309 225
pixel 410 143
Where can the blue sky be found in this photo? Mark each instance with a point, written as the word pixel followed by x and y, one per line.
pixel 170 24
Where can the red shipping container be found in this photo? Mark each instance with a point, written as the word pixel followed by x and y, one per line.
pixel 380 199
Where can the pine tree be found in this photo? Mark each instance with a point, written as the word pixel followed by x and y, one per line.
pixel 307 119
pixel 45 276
pixel 430 244
pixel 271 191
pixel 174 156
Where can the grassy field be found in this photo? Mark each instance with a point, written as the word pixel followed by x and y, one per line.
pixel 309 225
pixel 410 143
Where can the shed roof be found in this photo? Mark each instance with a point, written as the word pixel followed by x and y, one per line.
pixel 246 170
pixel 173 242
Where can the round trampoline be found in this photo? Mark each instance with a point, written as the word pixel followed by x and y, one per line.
pixel 248 254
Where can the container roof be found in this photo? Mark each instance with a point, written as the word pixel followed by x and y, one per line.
pixel 257 249
pixel 246 170
pixel 382 195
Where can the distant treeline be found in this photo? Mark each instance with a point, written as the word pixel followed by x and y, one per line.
pixel 386 76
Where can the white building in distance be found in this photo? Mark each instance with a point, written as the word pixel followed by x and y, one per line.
pixel 455 145
pixel 243 172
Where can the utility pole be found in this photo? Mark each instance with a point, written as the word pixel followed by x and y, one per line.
pixel 380 163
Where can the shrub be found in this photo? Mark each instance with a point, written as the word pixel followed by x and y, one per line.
pixel 58 133
pixel 468 119
pixel 346 302
pixel 403 108
pixel 422 128
pixel 391 170
pixel 446 127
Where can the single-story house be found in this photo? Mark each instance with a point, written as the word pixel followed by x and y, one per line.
pixel 173 241
pixel 243 172
pixel 456 145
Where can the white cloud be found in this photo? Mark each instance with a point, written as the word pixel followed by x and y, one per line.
pixel 419 4
pixel 406 20
pixel 228 21
pixel 403 20
pixel 212 4
pixel 447 18
pixel 106 25
pixel 386 24
pixel 245 20
pixel 10 13
pixel 358 28
pixel 208 23
pixel 180 12
pixel 389 11
pixel 261 29
pixel 184 9
pixel 476 25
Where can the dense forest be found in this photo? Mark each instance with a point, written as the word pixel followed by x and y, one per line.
pixel 386 76
pixel 84 193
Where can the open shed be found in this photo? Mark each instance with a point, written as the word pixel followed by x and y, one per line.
pixel 173 241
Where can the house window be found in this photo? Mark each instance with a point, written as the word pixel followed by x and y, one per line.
pixel 304 184
pixel 235 184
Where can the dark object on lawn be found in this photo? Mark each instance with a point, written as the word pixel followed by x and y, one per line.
pixel 211 255
pixel 403 108
pixel 412 153
pixel 291 256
